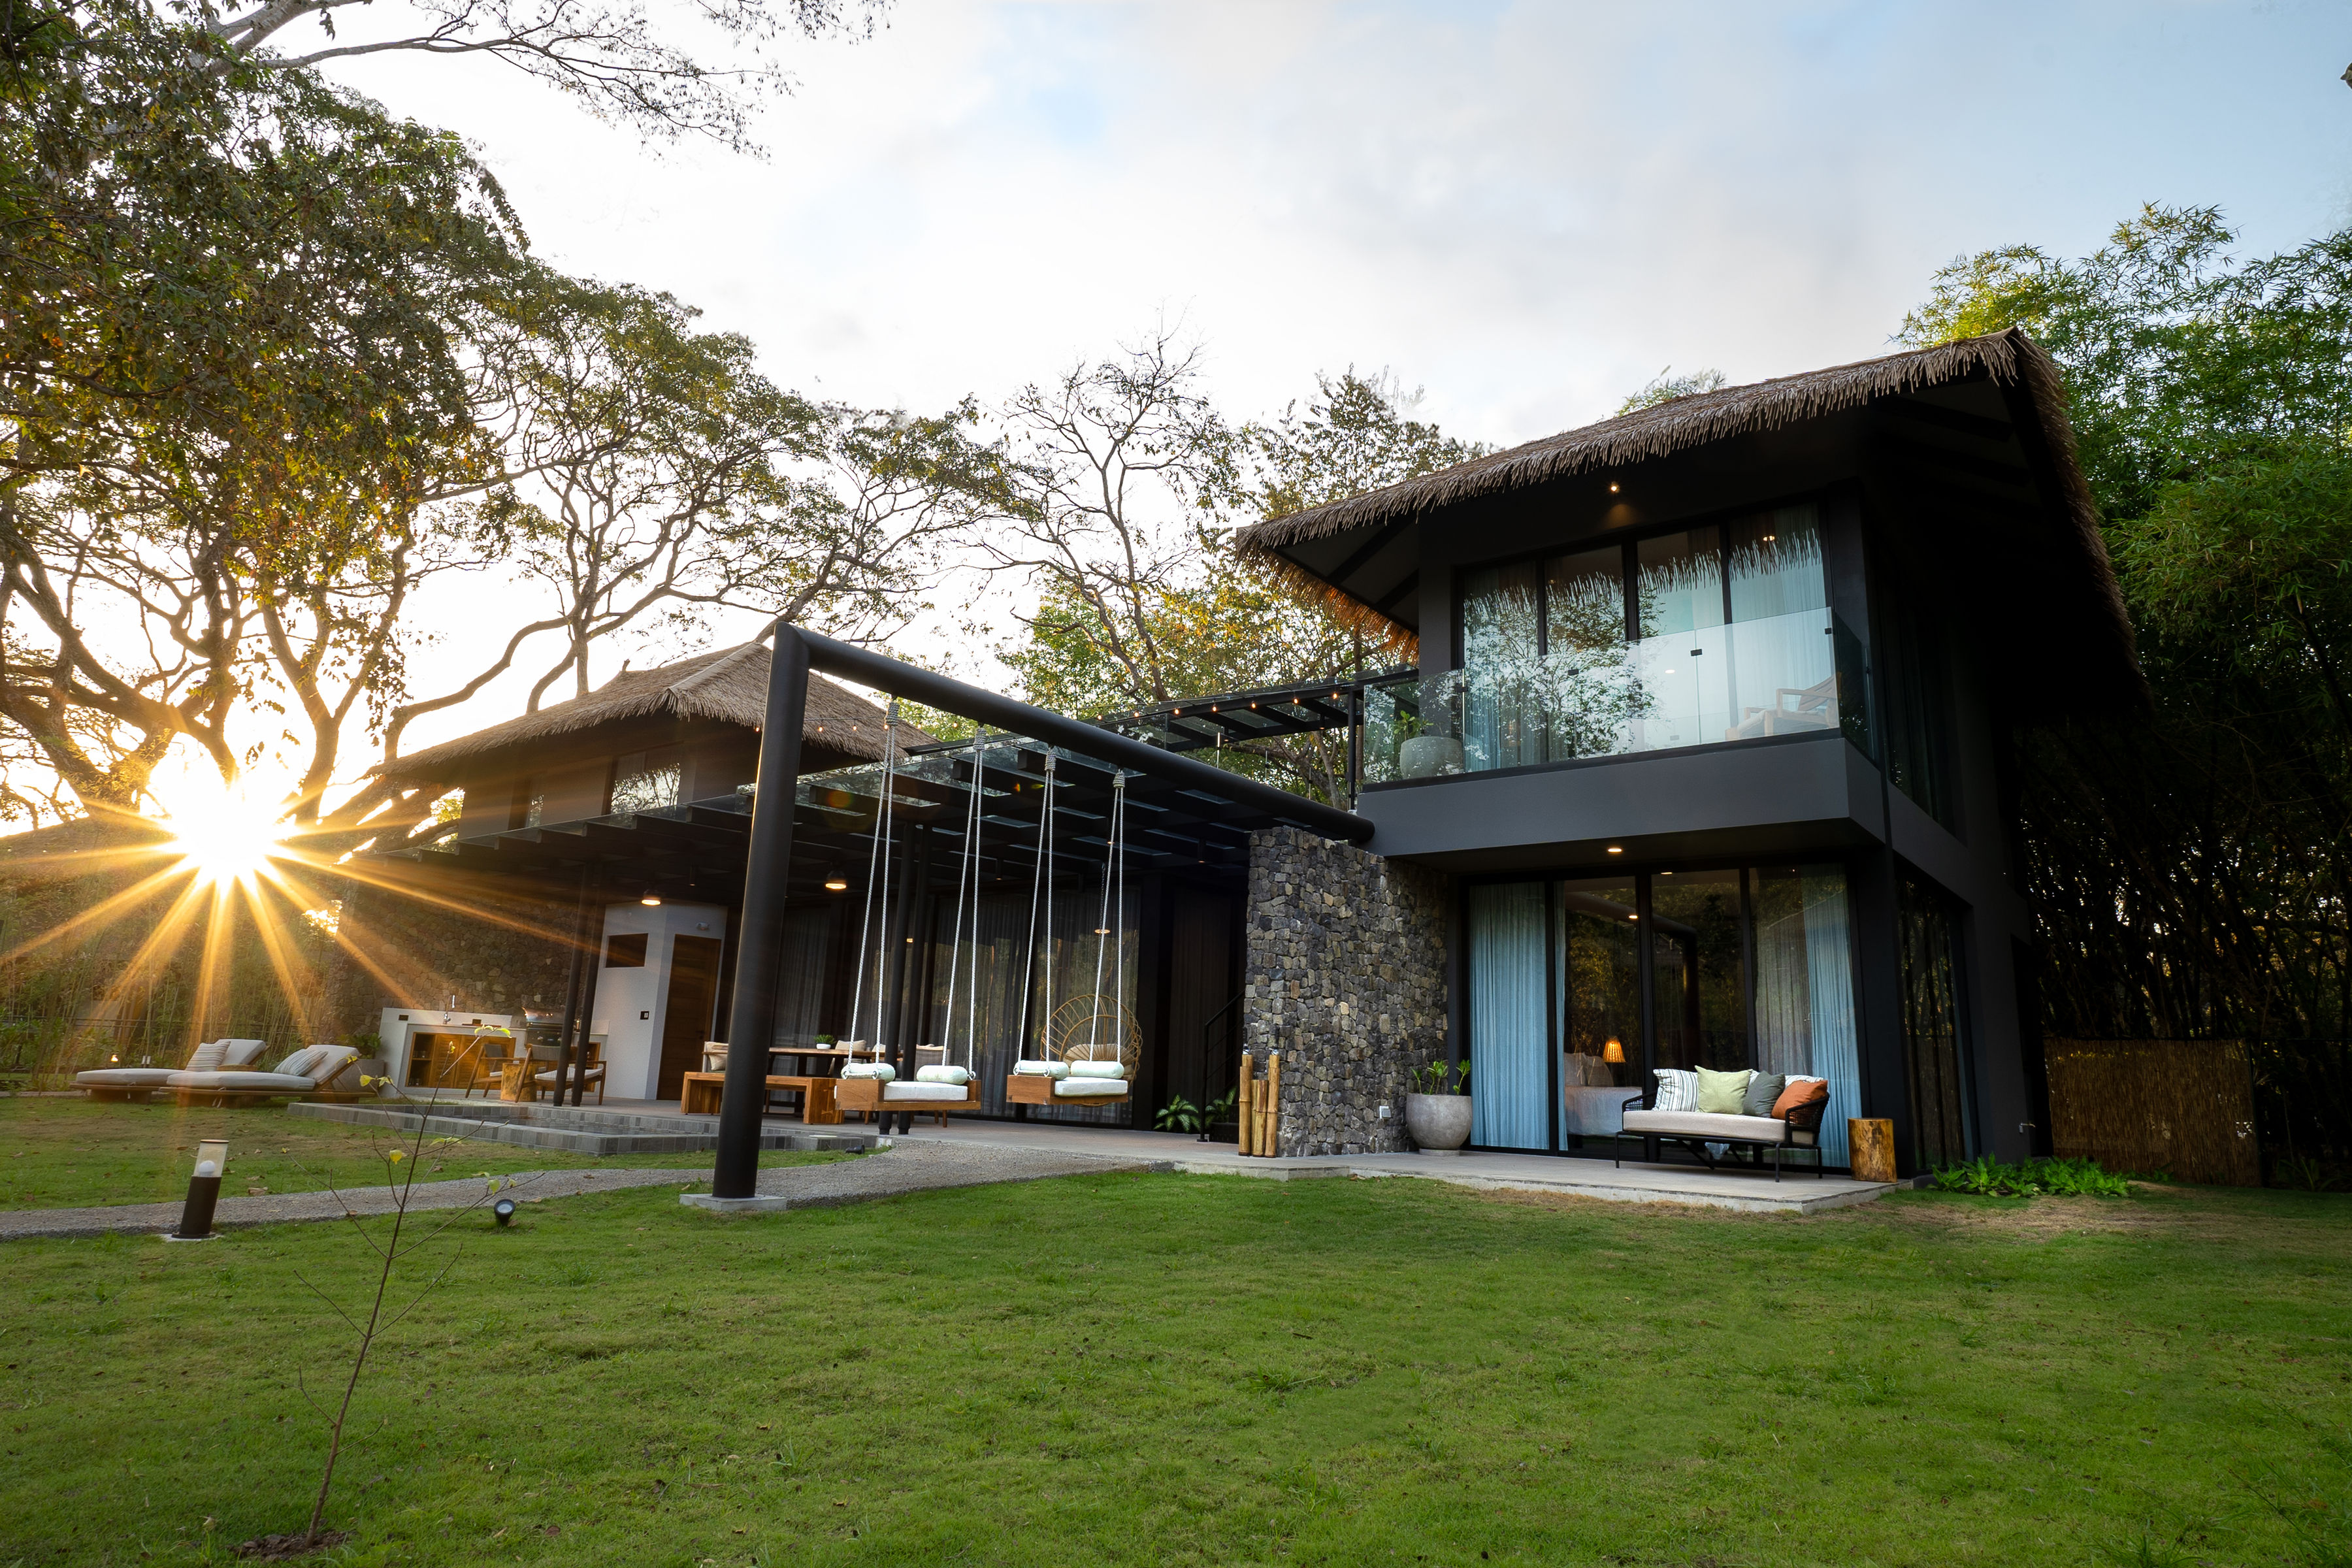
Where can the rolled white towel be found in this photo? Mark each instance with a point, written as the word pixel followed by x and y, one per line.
pixel 1080 1068
pixel 1027 1068
pixel 942 1075
pixel 882 1071
pixel 1079 1087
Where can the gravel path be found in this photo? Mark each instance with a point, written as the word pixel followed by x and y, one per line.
pixel 910 1167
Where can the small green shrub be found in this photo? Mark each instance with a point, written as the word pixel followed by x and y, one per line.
pixel 2034 1178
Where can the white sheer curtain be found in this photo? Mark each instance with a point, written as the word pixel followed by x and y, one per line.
pixel 1510 1046
pixel 1804 989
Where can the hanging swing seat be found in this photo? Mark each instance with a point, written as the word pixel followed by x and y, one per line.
pixel 891 1096
pixel 1066 1083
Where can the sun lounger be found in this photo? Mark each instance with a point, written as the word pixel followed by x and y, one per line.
pixel 137 1083
pixel 307 1072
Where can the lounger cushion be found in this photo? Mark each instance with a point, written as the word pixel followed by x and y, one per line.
pixel 239 1054
pixel 1028 1068
pixel 942 1075
pixel 298 1064
pixel 124 1077
pixel 882 1071
pixel 1705 1124
pixel 1080 1088
pixel 942 1093
pixel 212 1057
pixel 245 1082
pixel 330 1064
pixel 1082 1069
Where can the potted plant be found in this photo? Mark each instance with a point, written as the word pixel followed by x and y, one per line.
pixel 1437 1107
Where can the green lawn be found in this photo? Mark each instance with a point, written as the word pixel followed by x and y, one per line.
pixel 69 1153
pixel 1189 1370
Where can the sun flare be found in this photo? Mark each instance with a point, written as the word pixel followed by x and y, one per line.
pixel 225 836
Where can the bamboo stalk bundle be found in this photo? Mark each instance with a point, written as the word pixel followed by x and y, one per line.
pixel 1246 1111
pixel 2184 1107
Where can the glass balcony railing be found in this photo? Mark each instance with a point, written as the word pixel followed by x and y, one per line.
pixel 1781 675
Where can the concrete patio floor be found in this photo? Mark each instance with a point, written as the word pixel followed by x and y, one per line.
pixel 1797 1191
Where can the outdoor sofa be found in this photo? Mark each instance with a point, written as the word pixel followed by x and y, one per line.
pixel 309 1072
pixel 138 1083
pixel 1782 1114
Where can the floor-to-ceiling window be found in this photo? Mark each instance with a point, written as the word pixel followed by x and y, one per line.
pixel 1746 967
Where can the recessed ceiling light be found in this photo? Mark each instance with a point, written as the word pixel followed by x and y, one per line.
pixel 1616 849
pixel 835 885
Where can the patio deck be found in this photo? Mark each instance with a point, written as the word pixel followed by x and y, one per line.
pixel 1795 1193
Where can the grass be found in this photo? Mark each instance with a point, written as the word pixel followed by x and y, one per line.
pixel 73 1153
pixel 1215 1370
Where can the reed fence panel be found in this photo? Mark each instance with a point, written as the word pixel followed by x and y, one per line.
pixel 2185 1108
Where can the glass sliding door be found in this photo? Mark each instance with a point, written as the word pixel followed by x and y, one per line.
pixel 1599 992
pixel 1503 715
pixel 1510 1047
pixel 1679 650
pixel 1783 652
pixel 1804 988
pixel 1699 969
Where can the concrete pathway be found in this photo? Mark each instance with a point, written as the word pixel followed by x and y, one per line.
pixel 908 1168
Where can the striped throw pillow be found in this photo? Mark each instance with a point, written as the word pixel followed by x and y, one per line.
pixel 1677 1090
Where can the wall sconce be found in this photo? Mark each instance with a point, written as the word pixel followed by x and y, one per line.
pixel 1614 1051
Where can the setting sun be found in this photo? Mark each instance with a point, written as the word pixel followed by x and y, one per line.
pixel 225 837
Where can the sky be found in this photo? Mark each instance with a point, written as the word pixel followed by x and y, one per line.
pixel 1528 210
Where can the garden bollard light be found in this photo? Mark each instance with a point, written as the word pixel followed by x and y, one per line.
pixel 203 1192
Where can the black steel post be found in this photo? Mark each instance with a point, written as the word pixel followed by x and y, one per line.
pixel 563 1053
pixel 759 953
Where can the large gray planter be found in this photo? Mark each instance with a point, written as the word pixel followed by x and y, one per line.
pixel 1439 1123
pixel 1429 757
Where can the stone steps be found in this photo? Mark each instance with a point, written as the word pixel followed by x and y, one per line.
pixel 570 1130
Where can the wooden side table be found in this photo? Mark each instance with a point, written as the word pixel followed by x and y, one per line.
pixel 1871 1143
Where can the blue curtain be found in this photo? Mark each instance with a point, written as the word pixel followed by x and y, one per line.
pixel 1805 990
pixel 1510 1046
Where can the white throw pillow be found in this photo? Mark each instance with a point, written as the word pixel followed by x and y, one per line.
pixel 208 1057
pixel 298 1064
pixel 942 1075
pixel 1677 1089
pixel 1080 1067
pixel 882 1071
pixel 1028 1068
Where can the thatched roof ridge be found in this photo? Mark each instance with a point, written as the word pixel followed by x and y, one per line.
pixel 2007 356
pixel 729 685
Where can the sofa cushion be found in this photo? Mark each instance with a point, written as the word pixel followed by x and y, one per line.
pixel 1800 1092
pixel 300 1062
pixel 1705 1124
pixel 1677 1090
pixel 210 1056
pixel 1722 1093
pixel 1088 1087
pixel 1763 1092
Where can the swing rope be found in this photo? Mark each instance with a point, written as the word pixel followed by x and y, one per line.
pixel 1114 867
pixel 1045 884
pixel 968 872
pixel 876 867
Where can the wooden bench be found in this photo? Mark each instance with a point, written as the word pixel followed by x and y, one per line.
pixel 698 1095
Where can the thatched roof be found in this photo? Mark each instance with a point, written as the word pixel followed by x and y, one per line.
pixel 730 685
pixel 2008 358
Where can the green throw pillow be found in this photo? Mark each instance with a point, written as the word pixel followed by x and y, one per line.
pixel 1763 1092
pixel 1723 1092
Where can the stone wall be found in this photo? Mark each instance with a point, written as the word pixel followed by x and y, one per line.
pixel 498 944
pixel 1346 976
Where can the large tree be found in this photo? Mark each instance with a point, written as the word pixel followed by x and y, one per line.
pixel 2195 874
pixel 228 368
pixel 1137 482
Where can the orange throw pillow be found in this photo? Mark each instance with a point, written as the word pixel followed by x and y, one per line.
pixel 1801 1092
